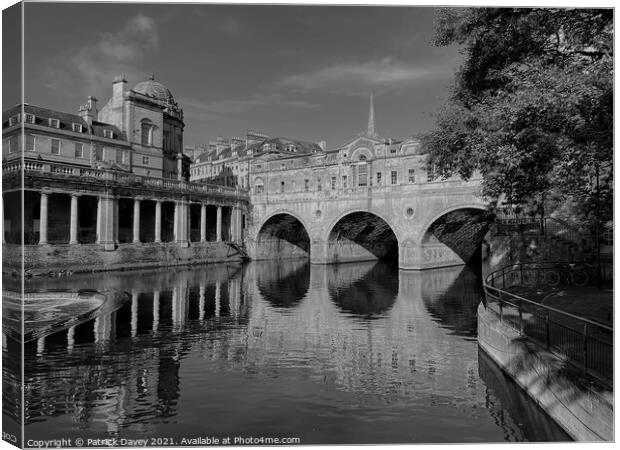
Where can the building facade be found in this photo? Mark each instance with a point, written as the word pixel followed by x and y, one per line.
pixel 113 180
pixel 228 162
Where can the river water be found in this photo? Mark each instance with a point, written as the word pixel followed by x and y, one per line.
pixel 353 353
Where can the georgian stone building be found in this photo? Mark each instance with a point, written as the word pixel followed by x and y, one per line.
pixel 227 162
pixel 113 179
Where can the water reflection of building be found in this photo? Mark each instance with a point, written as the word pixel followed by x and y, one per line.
pixel 393 346
pixel 123 369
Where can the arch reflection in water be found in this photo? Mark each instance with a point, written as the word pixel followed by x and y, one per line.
pixel 367 290
pixel 283 285
pixel 202 349
pixel 451 296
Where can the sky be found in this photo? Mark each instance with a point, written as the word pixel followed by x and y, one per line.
pixel 303 72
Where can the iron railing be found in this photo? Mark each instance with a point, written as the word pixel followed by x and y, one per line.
pixel 585 343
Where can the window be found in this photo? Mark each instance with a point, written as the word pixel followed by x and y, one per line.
pixel 54 123
pixel 282 186
pixel 260 188
pixel 362 175
pixel 98 153
pixel 333 183
pixel 394 177
pixel 55 146
pixel 120 156
pixel 378 178
pixel 30 143
pixel 145 160
pixel 306 185
pixel 393 150
pixel 344 181
pixel 13 120
pixel 430 175
pixel 318 184
pixel 79 150
pixel 108 133
pixel 146 136
pixel 30 118
pixel 13 144
pixel 411 175
pixel 77 127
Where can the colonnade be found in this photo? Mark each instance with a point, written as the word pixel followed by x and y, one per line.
pixel 226 300
pixel 108 219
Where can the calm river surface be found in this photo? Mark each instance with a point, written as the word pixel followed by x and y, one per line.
pixel 354 353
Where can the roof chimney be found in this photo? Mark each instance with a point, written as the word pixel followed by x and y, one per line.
pixel 89 111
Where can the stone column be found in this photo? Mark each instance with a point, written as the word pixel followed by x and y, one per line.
pixel 43 218
pixel 73 223
pixel 238 225
pixel 180 223
pixel 157 221
pixel 98 223
pixel 136 220
pixel 203 223
pixel 218 229
pixel 233 224
pixel 107 226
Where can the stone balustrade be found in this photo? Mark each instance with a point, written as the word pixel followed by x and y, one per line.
pixel 121 178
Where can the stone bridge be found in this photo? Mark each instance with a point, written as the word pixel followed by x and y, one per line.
pixel 424 225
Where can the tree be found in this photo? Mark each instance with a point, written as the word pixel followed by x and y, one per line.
pixel 532 106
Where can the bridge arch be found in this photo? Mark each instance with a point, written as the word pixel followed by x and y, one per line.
pixel 361 235
pixel 282 234
pixel 461 228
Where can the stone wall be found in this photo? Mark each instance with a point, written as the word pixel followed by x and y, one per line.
pixel 42 259
pixel 582 406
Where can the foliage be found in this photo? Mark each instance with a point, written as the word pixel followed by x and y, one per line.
pixel 532 105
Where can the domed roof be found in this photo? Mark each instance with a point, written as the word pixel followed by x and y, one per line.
pixel 154 89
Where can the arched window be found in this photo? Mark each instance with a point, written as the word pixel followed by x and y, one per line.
pixel 259 186
pixel 146 132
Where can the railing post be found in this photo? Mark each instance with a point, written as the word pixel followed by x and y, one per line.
pixel 521 317
pixel 585 347
pixel 501 309
pixel 548 334
pixel 503 277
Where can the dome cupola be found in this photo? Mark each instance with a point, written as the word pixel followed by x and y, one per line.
pixel 154 89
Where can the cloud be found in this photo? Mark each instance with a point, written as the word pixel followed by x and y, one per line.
pixel 231 107
pixel 359 78
pixel 94 66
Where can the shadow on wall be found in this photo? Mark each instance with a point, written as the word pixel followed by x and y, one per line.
pixel 282 236
pixel 529 416
pixel 463 231
pixel 580 403
pixel 362 236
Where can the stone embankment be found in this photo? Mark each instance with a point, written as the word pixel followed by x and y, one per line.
pixel 66 259
pixel 580 404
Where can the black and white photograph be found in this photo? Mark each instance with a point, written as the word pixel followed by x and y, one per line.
pixel 287 224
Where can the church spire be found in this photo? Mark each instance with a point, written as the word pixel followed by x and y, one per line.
pixel 370 132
